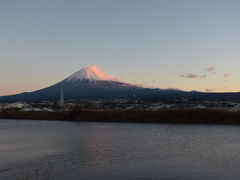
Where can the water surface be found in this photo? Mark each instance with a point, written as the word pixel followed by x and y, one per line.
pixel 75 150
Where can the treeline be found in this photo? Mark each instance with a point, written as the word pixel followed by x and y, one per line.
pixel 180 116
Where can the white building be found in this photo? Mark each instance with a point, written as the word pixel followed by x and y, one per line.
pixel 31 109
pixel 235 108
pixel 15 105
pixel 26 109
pixel 48 109
pixel 199 106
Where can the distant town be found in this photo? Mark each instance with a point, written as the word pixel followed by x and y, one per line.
pixel 117 104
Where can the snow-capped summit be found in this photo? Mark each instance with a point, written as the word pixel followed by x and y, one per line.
pixel 93 74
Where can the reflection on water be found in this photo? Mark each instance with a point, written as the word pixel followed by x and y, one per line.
pixel 68 150
pixel 97 142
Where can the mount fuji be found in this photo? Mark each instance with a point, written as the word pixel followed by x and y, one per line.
pixel 88 83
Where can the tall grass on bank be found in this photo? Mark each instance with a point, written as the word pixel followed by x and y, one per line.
pixel 181 116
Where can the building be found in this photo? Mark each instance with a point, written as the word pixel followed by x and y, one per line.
pixel 15 105
pixel 235 108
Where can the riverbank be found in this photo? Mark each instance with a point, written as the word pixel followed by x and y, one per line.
pixel 179 116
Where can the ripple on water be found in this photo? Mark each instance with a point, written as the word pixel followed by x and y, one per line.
pixel 68 150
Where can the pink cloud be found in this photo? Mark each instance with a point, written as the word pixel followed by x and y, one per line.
pixel 226 75
pixel 210 69
pixel 209 89
pixel 189 75
pixel 203 76
pixel 192 76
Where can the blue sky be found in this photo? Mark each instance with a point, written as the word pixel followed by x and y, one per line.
pixel 168 43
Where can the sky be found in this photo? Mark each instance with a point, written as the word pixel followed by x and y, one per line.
pixel 183 44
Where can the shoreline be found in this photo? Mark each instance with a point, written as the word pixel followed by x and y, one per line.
pixel 170 116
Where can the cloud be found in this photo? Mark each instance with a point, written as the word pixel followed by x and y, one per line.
pixel 192 76
pixel 210 69
pixel 207 72
pixel 203 76
pixel 226 75
pixel 189 75
pixel 154 81
pixel 209 89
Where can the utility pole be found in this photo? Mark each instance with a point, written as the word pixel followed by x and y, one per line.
pixel 62 98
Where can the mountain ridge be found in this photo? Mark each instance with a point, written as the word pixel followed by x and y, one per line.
pixel 93 83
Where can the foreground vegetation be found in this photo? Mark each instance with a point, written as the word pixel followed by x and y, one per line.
pixel 181 116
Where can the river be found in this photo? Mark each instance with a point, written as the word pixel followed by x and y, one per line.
pixel 80 150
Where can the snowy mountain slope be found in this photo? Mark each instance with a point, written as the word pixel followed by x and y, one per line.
pixel 92 74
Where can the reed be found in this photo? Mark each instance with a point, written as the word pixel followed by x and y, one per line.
pixel 180 116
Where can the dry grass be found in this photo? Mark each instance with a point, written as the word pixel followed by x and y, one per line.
pixel 180 116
